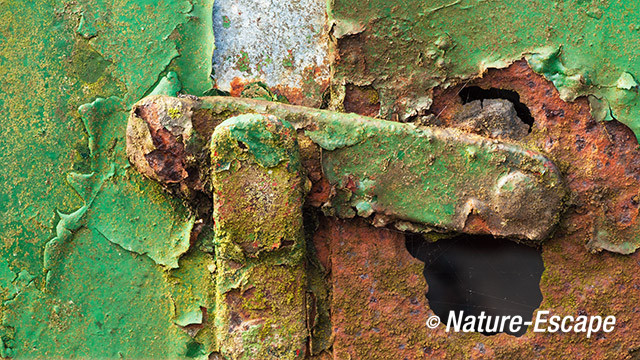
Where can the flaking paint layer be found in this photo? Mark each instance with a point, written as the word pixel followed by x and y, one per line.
pixel 406 49
pixel 97 239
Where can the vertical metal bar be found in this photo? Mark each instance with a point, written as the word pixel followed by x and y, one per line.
pixel 258 200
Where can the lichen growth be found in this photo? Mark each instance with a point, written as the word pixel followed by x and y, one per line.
pixel 260 247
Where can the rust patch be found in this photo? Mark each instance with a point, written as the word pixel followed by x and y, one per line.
pixel 204 122
pixel 320 193
pixel 294 95
pixel 311 157
pixel 309 94
pixel 351 53
pixel 363 100
pixel 475 224
pixel 311 91
pixel 237 85
pixel 162 145
pixel 379 298
pixel 322 244
pixel 167 160
pixel 378 294
pixel 600 160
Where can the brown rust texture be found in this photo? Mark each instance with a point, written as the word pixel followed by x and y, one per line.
pixel 311 157
pixel 600 160
pixel 166 161
pixel 309 94
pixel 167 146
pixel 363 100
pixel 312 89
pixel 379 302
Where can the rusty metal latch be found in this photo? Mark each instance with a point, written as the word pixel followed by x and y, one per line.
pixel 256 158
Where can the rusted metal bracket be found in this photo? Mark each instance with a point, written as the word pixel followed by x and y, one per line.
pixel 440 178
pixel 255 154
pixel 260 275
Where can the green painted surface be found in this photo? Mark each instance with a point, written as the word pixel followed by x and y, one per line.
pixel 96 260
pixel 87 244
pixel 586 47
pixel 442 177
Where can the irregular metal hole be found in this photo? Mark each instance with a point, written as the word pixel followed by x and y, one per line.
pixel 480 273
pixel 472 93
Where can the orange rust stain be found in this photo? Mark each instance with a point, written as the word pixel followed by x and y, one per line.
pixel 321 240
pixel 237 85
pixel 475 224
pixel 309 94
pixel 293 94
pixel 320 192
pixel 378 290
pixel 600 160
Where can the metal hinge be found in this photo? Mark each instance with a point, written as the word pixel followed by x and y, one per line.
pixel 259 160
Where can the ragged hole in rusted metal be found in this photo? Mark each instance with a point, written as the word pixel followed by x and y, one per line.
pixel 599 160
pixel 480 273
pixel 472 93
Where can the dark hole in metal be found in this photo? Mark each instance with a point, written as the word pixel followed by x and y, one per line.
pixel 480 273
pixel 473 93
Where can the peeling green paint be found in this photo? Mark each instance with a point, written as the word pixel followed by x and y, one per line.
pixel 83 234
pixel 86 28
pixel 168 85
pixel 264 146
pixel 408 48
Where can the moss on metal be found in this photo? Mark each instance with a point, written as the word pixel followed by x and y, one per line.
pixel 99 261
pixel 76 218
pixel 261 278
